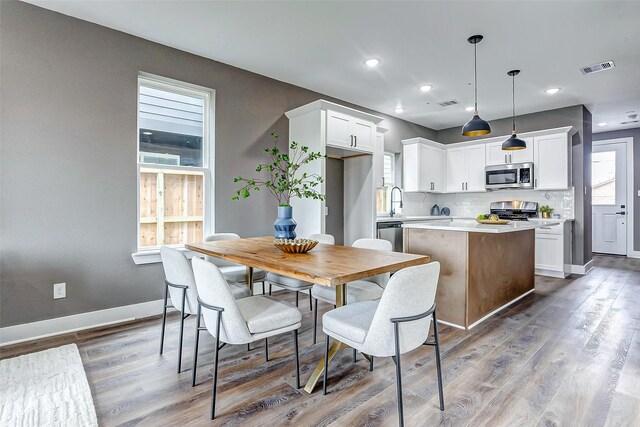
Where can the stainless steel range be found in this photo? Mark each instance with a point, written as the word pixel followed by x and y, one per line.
pixel 515 210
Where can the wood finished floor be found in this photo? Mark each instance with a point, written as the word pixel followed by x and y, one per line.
pixel 566 355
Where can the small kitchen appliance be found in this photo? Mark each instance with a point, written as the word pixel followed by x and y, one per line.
pixel 515 175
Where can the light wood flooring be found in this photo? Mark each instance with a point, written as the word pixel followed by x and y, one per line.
pixel 567 355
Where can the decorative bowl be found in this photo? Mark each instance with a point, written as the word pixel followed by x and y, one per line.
pixel 295 246
pixel 488 221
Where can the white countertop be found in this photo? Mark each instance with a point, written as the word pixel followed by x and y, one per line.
pixel 415 218
pixel 547 220
pixel 472 226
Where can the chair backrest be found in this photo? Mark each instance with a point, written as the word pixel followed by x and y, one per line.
pixel 411 291
pixel 214 290
pixel 380 245
pixel 323 238
pixel 215 238
pixel 177 271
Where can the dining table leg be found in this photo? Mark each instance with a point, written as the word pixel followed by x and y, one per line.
pixel 249 277
pixel 336 346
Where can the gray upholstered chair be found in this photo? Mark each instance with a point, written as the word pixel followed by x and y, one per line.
pixel 233 272
pixel 181 286
pixel 396 324
pixel 296 285
pixel 367 289
pixel 243 321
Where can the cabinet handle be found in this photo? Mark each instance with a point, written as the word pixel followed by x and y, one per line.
pixel 535 182
pixel 466 186
pixel 351 144
pixel 463 186
pixel 355 140
pixel 505 158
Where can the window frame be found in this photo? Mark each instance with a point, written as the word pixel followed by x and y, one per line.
pixel 393 168
pixel 147 255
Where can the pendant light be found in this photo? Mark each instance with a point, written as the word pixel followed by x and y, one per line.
pixel 476 126
pixel 513 143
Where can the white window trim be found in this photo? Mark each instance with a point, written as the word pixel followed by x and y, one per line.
pixel 152 255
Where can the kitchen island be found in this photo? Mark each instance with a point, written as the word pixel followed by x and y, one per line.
pixel 483 268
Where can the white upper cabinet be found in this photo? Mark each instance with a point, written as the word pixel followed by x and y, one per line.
pixel 345 131
pixel 497 156
pixel 378 160
pixel 465 169
pixel 551 164
pixel 422 167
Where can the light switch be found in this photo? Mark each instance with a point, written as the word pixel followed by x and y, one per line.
pixel 326 210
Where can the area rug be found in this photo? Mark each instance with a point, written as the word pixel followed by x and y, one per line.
pixel 47 388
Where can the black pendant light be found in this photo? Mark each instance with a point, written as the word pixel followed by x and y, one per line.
pixel 476 126
pixel 513 143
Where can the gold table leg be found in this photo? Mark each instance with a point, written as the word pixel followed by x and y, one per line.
pixel 336 346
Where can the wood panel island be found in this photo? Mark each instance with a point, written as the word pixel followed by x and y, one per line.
pixel 483 268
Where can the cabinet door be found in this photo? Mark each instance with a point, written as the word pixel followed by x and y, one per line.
pixel 339 129
pixel 363 132
pixel 495 155
pixel 410 167
pixel 523 156
pixel 456 170
pixel 378 161
pixel 475 160
pixel 431 166
pixel 549 252
pixel 551 164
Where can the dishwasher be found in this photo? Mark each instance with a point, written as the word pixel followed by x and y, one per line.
pixel 391 231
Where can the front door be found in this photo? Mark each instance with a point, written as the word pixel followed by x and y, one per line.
pixel 609 198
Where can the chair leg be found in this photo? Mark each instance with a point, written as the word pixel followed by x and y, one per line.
pixel 195 348
pixel 263 285
pixel 215 368
pixel 355 355
pixel 295 345
pixel 249 347
pixel 297 297
pixel 370 363
pixel 184 297
pixel 326 366
pixel 315 319
pixel 396 359
pixel 439 368
pixel 164 317
pixel 266 349
pixel 310 303
pixel 269 288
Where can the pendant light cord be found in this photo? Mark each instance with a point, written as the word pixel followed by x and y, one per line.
pixel 513 100
pixel 475 76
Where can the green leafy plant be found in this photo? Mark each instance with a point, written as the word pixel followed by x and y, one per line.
pixel 545 208
pixel 285 181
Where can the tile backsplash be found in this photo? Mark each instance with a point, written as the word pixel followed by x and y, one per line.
pixel 471 204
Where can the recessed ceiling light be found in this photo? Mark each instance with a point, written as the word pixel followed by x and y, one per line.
pixel 372 62
pixel 147 133
pixel 602 124
pixel 553 90
pixel 425 88
pixel 399 110
pixel 468 109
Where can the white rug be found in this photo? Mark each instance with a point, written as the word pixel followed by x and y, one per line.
pixel 47 388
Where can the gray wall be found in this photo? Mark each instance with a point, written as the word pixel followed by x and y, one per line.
pixel 635 134
pixel 578 117
pixel 68 157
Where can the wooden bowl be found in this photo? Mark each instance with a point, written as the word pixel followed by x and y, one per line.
pixel 488 221
pixel 295 246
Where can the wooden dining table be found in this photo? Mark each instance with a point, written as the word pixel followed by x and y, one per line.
pixel 327 265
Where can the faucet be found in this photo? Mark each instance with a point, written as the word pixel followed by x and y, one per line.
pixel 392 212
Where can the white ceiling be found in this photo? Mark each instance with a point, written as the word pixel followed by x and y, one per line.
pixel 322 46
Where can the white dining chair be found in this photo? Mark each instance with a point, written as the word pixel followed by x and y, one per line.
pixel 297 285
pixel 242 321
pixel 233 272
pixel 180 285
pixel 396 324
pixel 367 289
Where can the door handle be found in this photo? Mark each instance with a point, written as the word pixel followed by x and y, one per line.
pixel 620 213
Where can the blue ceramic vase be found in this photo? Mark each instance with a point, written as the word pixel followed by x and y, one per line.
pixel 285 225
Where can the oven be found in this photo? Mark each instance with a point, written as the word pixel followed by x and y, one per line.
pixel 516 175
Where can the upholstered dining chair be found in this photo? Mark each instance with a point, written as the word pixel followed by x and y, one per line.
pixel 242 321
pixel 396 324
pixel 181 286
pixel 233 272
pixel 367 289
pixel 296 285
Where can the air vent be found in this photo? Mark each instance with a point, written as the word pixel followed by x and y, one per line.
pixel 630 122
pixel 595 68
pixel 448 103
pixel 632 116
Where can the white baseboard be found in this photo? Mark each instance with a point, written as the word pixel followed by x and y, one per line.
pixel 77 322
pixel 582 269
pixel 633 254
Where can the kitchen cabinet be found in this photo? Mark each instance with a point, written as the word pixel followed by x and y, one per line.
pixel 378 159
pixel 465 169
pixel 422 166
pixel 553 250
pixel 346 131
pixel 552 164
pixel 497 156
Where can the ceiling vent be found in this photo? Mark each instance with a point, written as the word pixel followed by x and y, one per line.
pixel 630 122
pixel 595 68
pixel 448 103
pixel 632 116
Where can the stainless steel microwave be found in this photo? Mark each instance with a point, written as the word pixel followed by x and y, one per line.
pixel 516 175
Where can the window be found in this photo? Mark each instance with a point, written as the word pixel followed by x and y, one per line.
pixel 603 178
pixel 383 195
pixel 174 169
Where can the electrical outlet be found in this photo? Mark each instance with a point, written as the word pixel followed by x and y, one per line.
pixel 59 290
